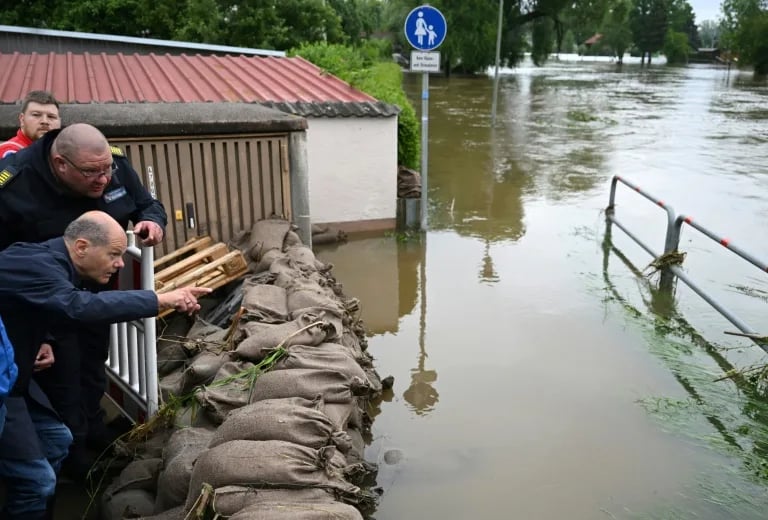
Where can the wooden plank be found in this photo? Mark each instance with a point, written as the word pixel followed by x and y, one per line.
pixel 190 278
pixel 216 251
pixel 194 244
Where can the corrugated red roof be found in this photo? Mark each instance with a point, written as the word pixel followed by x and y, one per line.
pixel 135 78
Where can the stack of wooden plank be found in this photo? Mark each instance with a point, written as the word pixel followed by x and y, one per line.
pixel 199 263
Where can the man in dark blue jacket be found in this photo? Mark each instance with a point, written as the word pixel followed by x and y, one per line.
pixel 43 188
pixel 40 285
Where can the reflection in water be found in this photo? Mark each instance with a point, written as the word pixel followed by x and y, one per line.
pixel 421 395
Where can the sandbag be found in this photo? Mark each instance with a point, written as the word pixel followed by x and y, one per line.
pixel 203 369
pixel 229 500
pixel 308 383
pixel 328 358
pixel 131 503
pixel 171 385
pixel 201 330
pixel 267 234
pixel 262 338
pixel 293 420
pixel 170 356
pixel 344 415
pixel 330 316
pixel 179 456
pixel 265 303
pixel 275 464
pixel 299 511
pixel 177 513
pixel 218 398
pixel 266 261
pixel 139 474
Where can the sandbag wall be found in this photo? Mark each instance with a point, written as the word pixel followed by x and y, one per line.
pixel 270 388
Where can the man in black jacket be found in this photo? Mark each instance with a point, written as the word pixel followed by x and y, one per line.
pixel 43 188
pixel 40 285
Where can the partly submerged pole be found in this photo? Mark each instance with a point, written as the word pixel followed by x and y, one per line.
pixel 498 58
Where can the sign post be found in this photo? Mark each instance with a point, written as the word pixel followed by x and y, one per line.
pixel 425 30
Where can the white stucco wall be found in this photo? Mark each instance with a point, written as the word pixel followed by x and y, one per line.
pixel 352 168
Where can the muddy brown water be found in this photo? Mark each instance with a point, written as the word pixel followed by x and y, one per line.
pixel 536 375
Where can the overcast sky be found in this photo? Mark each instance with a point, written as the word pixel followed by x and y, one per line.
pixel 705 9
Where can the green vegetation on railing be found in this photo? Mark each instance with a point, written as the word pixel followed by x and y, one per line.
pixel 367 68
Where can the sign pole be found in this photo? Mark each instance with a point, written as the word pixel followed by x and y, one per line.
pixel 425 29
pixel 424 149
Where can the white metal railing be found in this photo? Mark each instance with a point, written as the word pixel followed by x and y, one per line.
pixel 132 362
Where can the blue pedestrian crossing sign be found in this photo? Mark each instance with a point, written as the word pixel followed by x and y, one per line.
pixel 425 28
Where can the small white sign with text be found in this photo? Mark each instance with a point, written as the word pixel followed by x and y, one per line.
pixel 425 61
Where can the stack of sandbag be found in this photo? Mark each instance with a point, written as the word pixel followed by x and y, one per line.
pixel 274 402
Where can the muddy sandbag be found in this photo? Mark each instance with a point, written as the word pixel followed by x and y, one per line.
pixel 299 511
pixel 131 503
pixel 265 235
pixel 275 464
pixel 223 394
pixel 313 298
pixel 304 256
pixel 343 415
pixel 408 183
pixel 201 330
pixel 331 316
pixel 352 342
pixel 229 500
pixel 180 454
pixel 302 356
pixel 334 387
pixel 171 357
pixel 299 422
pixel 266 261
pixel 203 368
pixel 139 474
pixel 172 385
pixel 177 513
pixel 266 303
pixel 262 338
pixel 357 449
pixel 292 239
pixel 193 416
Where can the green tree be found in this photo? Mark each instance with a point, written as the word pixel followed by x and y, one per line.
pixel 683 20
pixel 584 18
pixel 745 31
pixel 676 47
pixel 649 20
pixel 617 33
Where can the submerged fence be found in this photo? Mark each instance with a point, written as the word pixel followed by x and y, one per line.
pixel 675 224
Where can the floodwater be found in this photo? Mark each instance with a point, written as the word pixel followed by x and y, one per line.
pixel 538 373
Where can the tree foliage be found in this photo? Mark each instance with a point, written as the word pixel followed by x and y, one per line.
pixel 649 20
pixel 617 33
pixel 745 31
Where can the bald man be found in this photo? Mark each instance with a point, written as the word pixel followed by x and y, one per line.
pixel 43 188
pixel 39 285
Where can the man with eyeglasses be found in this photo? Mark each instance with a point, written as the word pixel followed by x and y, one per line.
pixel 43 188
pixel 39 114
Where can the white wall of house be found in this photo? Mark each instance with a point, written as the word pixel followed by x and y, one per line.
pixel 352 168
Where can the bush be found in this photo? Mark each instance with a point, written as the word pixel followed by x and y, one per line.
pixel 676 48
pixel 362 68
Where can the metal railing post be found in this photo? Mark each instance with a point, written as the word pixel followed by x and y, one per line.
pixel 671 242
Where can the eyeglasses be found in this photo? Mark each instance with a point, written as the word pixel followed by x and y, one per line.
pixel 109 171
